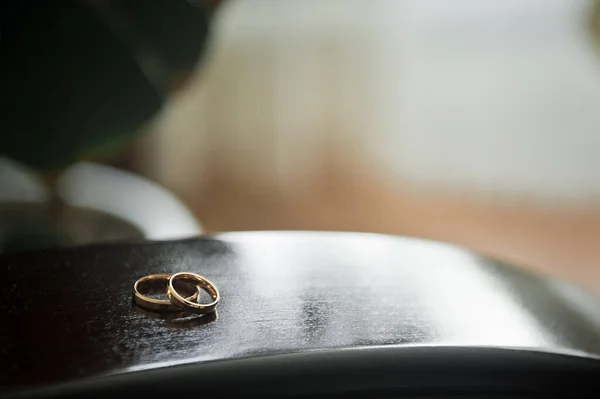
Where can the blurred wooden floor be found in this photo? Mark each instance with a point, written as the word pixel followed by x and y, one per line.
pixel 564 243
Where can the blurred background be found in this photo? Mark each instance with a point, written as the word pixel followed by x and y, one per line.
pixel 469 122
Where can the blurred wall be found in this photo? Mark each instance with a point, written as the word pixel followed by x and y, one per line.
pixel 497 96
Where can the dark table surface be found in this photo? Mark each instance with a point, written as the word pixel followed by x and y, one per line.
pixel 68 314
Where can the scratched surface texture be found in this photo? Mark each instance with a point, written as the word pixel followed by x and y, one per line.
pixel 67 314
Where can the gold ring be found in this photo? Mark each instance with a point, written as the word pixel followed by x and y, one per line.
pixel 186 304
pixel 162 305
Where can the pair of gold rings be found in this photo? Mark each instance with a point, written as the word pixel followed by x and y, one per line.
pixel 188 284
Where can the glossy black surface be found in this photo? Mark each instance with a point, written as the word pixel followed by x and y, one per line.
pixel 67 314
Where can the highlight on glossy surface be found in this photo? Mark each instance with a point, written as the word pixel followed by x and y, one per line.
pixel 162 305
pixel 192 306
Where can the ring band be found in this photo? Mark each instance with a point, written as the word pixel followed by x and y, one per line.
pixel 190 306
pixel 162 305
